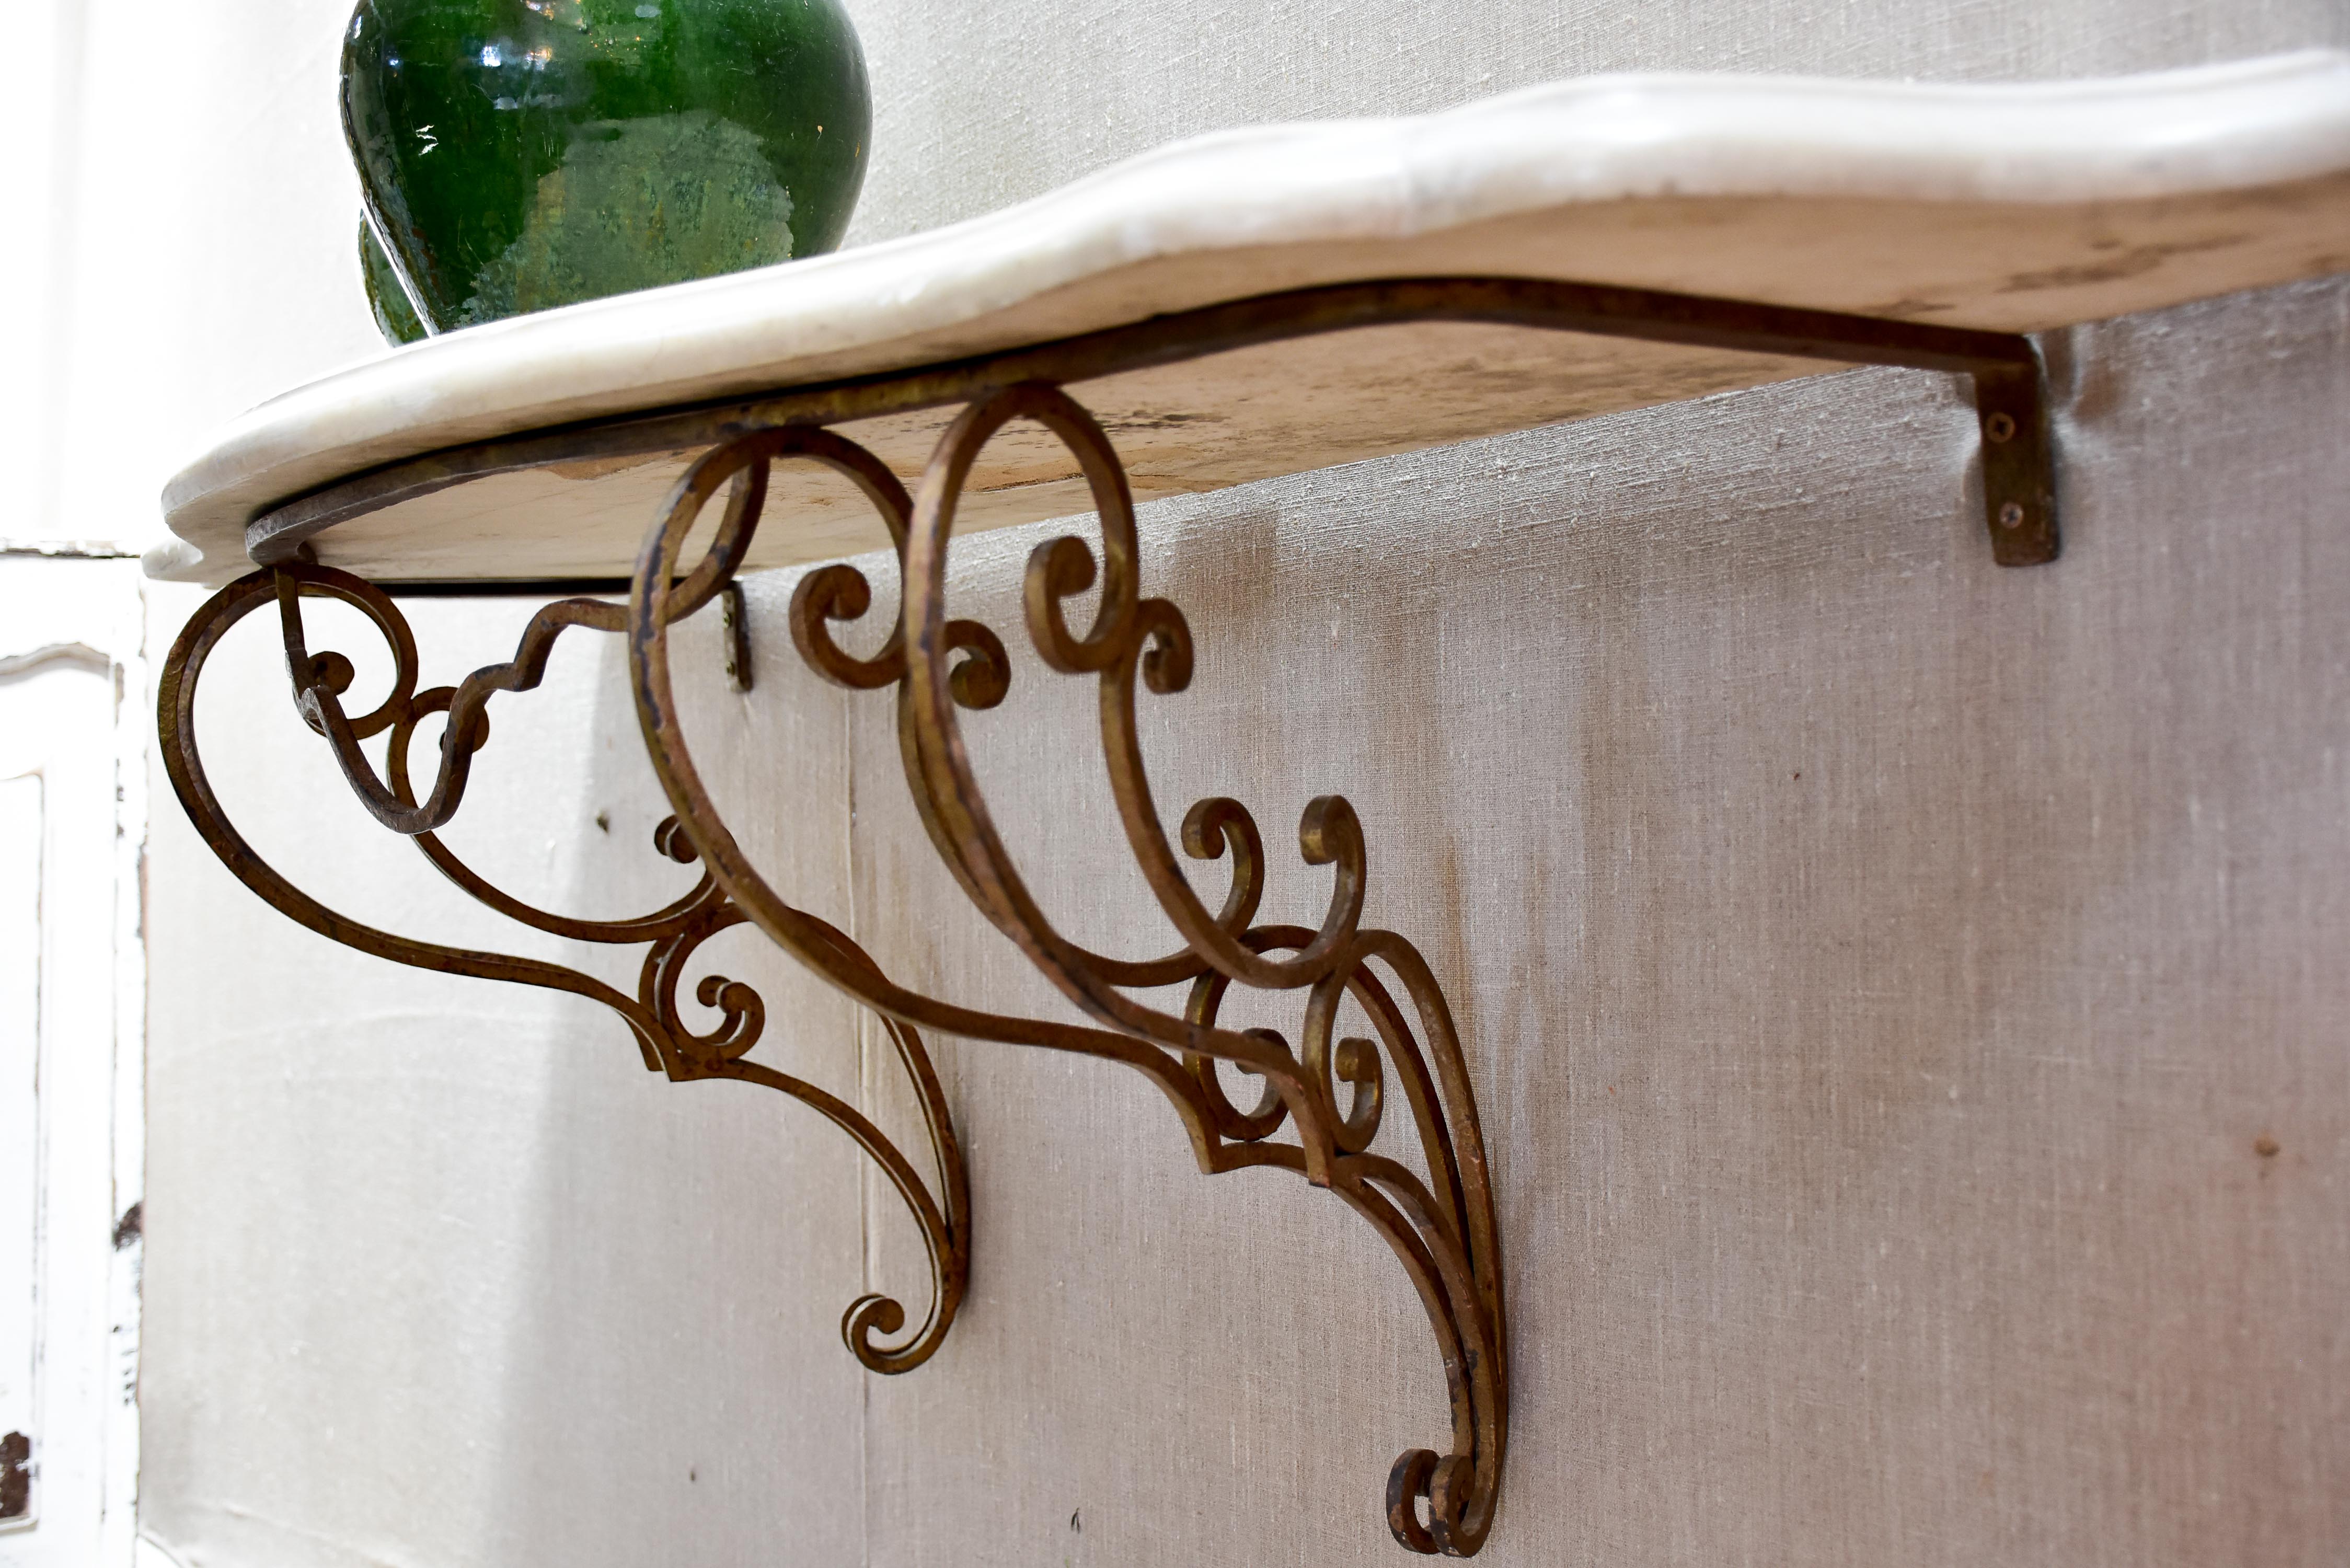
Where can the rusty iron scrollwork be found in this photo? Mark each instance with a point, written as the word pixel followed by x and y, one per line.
pixel 1441 1228
pixel 670 936
pixel 1440 1225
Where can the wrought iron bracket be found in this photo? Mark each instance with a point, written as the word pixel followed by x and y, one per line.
pixel 1439 1218
pixel 669 935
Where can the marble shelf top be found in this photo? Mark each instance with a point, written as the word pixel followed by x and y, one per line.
pixel 2016 208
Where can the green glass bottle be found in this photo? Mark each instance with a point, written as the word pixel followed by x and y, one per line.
pixel 515 155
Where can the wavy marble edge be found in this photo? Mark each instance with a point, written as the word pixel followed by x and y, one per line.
pixel 2226 128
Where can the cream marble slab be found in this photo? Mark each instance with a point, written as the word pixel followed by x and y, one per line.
pixel 2010 207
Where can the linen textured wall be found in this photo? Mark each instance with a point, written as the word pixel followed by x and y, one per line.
pixel 1904 996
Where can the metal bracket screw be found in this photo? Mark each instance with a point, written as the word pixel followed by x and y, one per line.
pixel 734 621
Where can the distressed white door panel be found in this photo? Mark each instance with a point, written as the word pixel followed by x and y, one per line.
pixel 20 1022
pixel 71 1003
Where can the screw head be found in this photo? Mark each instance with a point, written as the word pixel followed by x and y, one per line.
pixel 2000 427
pixel 2011 515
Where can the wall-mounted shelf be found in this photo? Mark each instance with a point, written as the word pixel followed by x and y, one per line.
pixel 1244 306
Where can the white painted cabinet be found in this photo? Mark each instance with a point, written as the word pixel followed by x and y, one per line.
pixel 71 1003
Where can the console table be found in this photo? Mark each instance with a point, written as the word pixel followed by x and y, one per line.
pixel 1243 306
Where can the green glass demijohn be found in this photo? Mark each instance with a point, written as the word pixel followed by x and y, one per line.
pixel 517 155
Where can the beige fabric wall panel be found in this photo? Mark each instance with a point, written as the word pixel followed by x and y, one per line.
pixel 454 1279
pixel 1881 973
pixel 978 106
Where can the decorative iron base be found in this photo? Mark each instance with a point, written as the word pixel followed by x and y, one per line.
pixel 1445 1237
pixel 1442 1230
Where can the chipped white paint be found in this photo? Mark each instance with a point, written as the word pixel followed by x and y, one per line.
pixel 20 1128
pixel 72 1004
